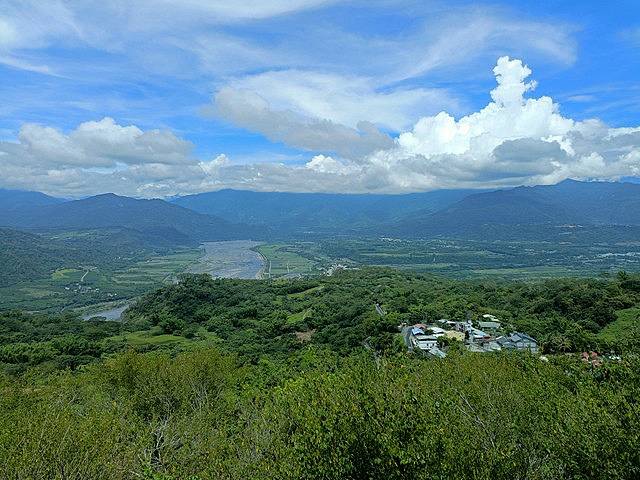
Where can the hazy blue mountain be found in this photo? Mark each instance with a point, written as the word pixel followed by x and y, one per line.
pixel 16 199
pixel 569 202
pixel 151 217
pixel 235 214
pixel 316 212
pixel 600 203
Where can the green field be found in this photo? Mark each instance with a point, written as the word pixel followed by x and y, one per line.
pixel 500 260
pixel 626 327
pixel 282 260
pixel 85 285
pixel 146 337
pixel 155 270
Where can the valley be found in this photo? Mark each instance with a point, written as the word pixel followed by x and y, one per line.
pixel 179 322
pixel 319 240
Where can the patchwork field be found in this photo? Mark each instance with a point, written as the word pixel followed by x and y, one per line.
pixel 287 260
pixel 85 285
pixel 504 260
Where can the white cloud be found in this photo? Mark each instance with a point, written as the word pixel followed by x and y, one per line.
pixel 342 99
pixel 512 140
pixel 463 36
pixel 249 110
pixel 227 11
pixel 103 144
pixel 126 27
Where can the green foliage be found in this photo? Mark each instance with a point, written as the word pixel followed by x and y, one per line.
pixel 274 318
pixel 262 317
pixel 202 415
pixel 309 381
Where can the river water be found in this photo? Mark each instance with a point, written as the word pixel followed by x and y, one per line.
pixel 112 314
pixel 232 259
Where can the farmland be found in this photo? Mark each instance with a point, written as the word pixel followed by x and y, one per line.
pixel 500 260
pixel 289 260
pixel 86 285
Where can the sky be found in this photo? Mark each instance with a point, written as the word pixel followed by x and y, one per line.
pixel 163 98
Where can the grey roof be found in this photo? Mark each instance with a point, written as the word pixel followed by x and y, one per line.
pixel 489 324
pixel 436 352
pixel 517 340
pixel 522 337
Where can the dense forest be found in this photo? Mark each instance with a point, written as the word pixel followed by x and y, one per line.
pixel 203 414
pixel 220 378
pixel 256 318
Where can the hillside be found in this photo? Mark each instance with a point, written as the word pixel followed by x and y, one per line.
pixel 238 379
pixel 25 256
pixel 28 256
pixel 316 212
pixel 519 209
pixel 155 218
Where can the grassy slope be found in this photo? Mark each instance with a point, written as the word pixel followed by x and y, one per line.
pixel 628 321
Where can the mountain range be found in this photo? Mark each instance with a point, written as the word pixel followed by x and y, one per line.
pixel 567 203
pixel 317 212
pixel 154 218
pixel 235 214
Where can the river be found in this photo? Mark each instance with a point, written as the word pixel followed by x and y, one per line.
pixel 112 314
pixel 231 259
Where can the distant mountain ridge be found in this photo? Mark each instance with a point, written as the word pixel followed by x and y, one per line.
pixel 18 199
pixel 568 202
pixel 152 217
pixel 236 214
pixel 317 211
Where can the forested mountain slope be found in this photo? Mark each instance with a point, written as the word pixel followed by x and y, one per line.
pixel 316 211
pixel 28 256
pixel 569 202
pixel 151 217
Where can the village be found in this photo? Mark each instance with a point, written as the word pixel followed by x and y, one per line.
pixel 485 335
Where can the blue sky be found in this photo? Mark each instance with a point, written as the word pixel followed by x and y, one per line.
pixel 165 97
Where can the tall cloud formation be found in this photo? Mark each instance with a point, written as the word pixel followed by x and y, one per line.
pixel 511 141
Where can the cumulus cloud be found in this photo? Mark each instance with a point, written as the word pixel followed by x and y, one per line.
pixel 97 144
pixel 515 139
pixel 512 140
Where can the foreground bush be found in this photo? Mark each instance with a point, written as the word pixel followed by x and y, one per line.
pixel 200 415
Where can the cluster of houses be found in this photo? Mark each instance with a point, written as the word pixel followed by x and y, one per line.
pixel 485 335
